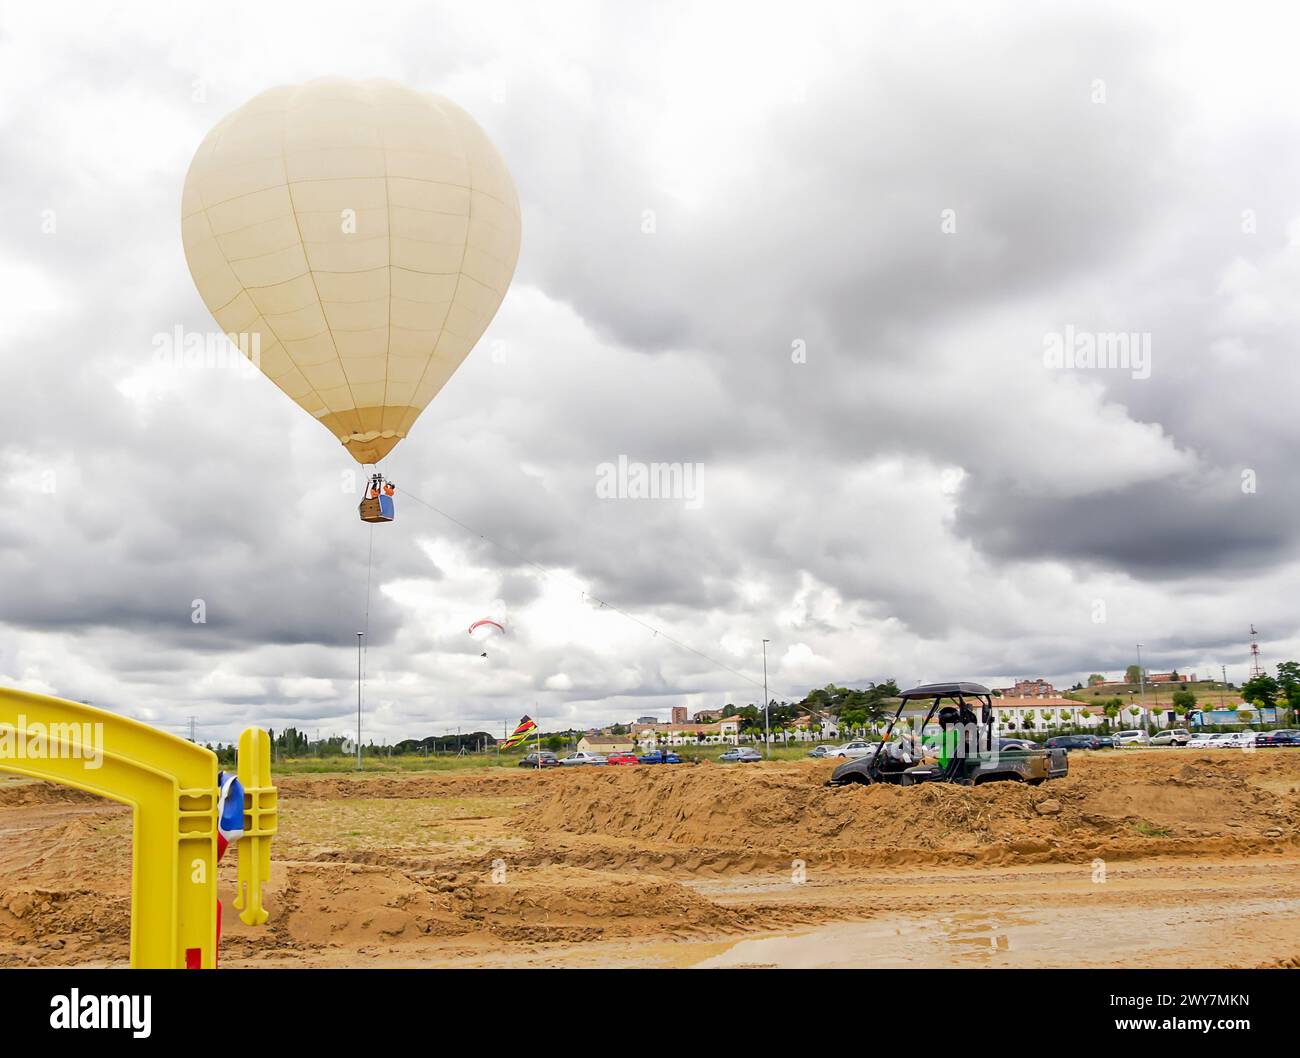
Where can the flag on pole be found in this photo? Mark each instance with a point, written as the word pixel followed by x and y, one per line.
pixel 526 727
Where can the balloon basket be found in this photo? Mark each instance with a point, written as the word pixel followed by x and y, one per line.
pixel 379 509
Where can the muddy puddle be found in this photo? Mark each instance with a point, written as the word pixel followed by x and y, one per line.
pixel 1131 936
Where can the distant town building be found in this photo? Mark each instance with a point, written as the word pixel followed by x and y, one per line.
pixel 1042 709
pixel 1039 688
pixel 679 714
pixel 818 726
pixel 679 734
pixel 647 719
pixel 606 744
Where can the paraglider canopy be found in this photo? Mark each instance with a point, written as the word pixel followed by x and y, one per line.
pixel 486 628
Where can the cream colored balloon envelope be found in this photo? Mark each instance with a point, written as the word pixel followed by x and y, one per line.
pixel 360 236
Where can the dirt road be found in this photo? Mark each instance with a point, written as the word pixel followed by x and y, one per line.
pixel 1146 858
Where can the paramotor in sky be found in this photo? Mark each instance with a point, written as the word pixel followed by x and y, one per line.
pixel 486 628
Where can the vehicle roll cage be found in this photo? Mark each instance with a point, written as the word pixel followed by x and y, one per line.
pixel 939 692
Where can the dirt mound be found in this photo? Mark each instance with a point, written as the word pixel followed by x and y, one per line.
pixel 330 904
pixel 400 787
pixel 782 809
pixel 1292 963
pixel 34 911
pixel 1113 804
pixel 532 903
pixel 348 905
pixel 19 793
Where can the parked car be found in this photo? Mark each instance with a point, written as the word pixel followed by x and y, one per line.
pixel 1069 742
pixel 1171 736
pixel 621 758
pixel 1280 737
pixel 743 754
pixel 820 752
pixel 659 756
pixel 1131 739
pixel 543 759
pixel 1223 740
pixel 583 757
pixel 1017 745
pixel 852 750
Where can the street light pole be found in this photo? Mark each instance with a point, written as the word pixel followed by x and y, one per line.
pixel 1142 678
pixel 360 637
pixel 767 729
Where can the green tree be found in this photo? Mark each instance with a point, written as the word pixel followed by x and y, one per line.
pixel 1095 679
pixel 1288 679
pixel 1133 674
pixel 1183 701
pixel 1262 688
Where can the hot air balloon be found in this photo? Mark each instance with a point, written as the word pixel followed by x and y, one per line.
pixel 486 628
pixel 358 237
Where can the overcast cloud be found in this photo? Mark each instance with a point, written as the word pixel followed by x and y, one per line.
pixel 816 249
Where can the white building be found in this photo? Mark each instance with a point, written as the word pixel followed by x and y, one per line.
pixel 725 730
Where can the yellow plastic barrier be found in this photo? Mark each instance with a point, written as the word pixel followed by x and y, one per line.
pixel 172 786
pixel 261 818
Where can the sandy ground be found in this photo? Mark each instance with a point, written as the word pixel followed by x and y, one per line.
pixel 1144 858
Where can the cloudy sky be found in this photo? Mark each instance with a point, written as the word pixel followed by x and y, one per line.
pixel 817 251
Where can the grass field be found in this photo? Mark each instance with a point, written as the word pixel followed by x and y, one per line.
pixel 1208 694
pixel 411 763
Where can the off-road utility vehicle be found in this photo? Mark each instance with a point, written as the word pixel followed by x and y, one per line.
pixel 967 752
